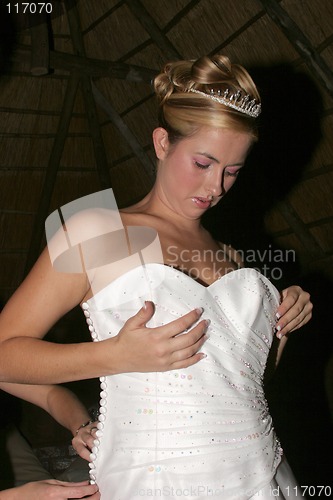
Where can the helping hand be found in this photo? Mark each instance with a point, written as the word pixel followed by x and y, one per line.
pixel 52 489
pixel 83 441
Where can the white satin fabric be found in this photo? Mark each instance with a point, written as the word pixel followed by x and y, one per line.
pixel 200 432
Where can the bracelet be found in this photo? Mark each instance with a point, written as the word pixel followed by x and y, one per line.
pixel 83 425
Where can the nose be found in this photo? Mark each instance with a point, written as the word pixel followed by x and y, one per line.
pixel 215 184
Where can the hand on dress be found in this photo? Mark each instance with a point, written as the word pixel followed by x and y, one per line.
pixel 161 348
pixel 52 489
pixel 83 441
pixel 294 311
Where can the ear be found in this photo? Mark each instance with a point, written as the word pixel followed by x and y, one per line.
pixel 161 142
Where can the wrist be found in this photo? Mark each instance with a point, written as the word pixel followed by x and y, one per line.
pixel 82 426
pixel 108 357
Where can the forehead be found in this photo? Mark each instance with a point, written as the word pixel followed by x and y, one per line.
pixel 218 139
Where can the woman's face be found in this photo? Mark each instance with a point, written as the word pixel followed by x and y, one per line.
pixel 194 174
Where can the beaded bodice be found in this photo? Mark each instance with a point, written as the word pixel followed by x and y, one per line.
pixel 207 426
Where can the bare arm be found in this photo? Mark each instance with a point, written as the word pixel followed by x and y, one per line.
pixel 59 402
pixel 45 296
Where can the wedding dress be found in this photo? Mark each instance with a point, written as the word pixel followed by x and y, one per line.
pixel 200 432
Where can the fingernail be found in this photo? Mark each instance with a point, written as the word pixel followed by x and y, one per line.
pixel 199 310
pixel 278 332
pixel 278 315
pixel 207 323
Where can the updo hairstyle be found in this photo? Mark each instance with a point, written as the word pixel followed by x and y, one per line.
pixel 182 113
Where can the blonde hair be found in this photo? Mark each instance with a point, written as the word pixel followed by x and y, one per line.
pixel 182 113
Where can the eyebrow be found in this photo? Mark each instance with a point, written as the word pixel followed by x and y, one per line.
pixel 207 155
pixel 210 157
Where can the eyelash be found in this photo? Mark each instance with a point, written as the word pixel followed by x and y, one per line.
pixel 202 166
pixel 232 174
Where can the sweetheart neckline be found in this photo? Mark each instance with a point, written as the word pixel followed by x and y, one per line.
pixel 177 271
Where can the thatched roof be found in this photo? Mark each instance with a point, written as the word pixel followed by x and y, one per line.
pixel 77 111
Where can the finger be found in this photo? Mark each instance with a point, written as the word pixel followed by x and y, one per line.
pixel 83 452
pixel 80 490
pixel 186 363
pixel 296 316
pixel 142 317
pixel 96 496
pixel 82 445
pixel 292 321
pixel 191 340
pixel 294 324
pixel 187 355
pixel 181 324
pixel 289 298
pixel 293 296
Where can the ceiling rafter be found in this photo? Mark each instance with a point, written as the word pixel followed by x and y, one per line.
pixel 40 46
pixel 29 168
pixel 89 66
pixel 92 96
pixel 301 44
pixel 22 135
pixel 125 132
pixel 51 172
pixel 300 229
pixel 29 111
pixel 178 17
pixel 157 35
pixel 93 122
pixel 238 32
pixel 102 18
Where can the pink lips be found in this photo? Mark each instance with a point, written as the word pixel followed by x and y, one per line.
pixel 203 203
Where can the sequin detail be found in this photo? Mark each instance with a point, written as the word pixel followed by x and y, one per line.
pixel 209 421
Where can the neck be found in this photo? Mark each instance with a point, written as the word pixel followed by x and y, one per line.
pixel 155 204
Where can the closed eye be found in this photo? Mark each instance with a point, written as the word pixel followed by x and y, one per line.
pixel 203 166
pixel 232 174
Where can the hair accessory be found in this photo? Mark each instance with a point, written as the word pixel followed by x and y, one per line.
pixel 235 101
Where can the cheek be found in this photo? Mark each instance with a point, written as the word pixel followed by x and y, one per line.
pixel 228 183
pixel 182 175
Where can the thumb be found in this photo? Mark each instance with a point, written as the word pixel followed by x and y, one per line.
pixel 143 315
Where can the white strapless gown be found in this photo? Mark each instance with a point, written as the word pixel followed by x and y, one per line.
pixel 200 432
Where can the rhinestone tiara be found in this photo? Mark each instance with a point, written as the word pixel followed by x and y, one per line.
pixel 236 101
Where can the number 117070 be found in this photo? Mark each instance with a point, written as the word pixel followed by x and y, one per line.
pixel 29 8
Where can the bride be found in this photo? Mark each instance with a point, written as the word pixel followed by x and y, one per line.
pixel 182 411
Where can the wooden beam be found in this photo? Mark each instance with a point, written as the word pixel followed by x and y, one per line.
pixel 40 46
pixel 125 132
pixel 319 69
pixel 51 172
pixel 102 18
pixel 91 67
pixel 89 88
pixel 15 135
pixel 157 35
pixel 295 222
pixel 92 117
